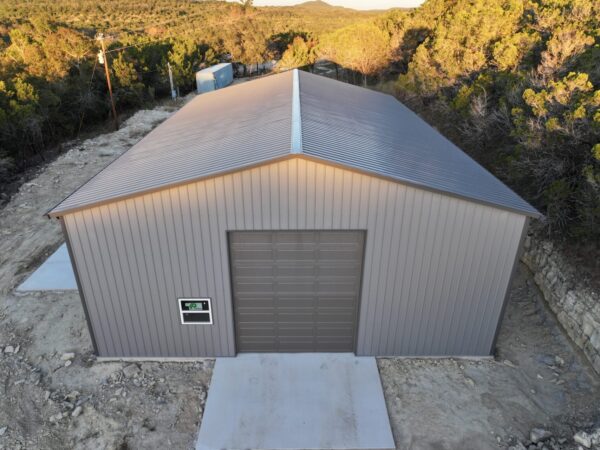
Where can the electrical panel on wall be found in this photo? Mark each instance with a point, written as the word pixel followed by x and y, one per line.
pixel 195 311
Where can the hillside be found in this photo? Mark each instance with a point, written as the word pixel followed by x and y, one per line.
pixel 201 19
pixel 318 5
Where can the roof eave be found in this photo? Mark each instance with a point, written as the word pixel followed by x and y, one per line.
pixel 57 213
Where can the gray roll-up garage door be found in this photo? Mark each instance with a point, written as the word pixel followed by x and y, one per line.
pixel 296 291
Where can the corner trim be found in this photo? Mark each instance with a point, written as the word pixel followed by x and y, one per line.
pixel 78 281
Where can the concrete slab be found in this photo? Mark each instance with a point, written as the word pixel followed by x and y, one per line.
pixel 295 401
pixel 55 274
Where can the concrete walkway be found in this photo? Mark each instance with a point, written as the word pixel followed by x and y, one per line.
pixel 295 401
pixel 55 274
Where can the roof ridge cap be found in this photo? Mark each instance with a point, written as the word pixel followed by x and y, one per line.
pixel 296 114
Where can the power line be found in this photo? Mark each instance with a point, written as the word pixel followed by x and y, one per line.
pixel 89 90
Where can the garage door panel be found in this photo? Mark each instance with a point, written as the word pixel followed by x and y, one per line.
pixel 252 251
pixel 294 236
pixel 255 288
pixel 341 270
pixel 337 253
pixel 335 331
pixel 295 300
pixel 334 347
pixel 252 302
pixel 255 270
pixel 266 316
pixel 333 301
pixel 249 238
pixel 296 331
pixel 294 317
pixel 297 287
pixel 288 256
pixel 296 291
pixel 300 270
pixel 263 333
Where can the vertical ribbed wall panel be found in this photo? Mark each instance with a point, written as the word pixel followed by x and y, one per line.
pixel 436 268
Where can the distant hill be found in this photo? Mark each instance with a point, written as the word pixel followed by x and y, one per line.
pixel 320 5
pixel 323 10
pixel 316 4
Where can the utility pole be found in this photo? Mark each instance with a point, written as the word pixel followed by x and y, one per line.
pixel 104 60
pixel 173 91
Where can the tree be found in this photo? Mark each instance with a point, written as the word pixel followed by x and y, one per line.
pixel 461 42
pixel 517 85
pixel 247 43
pixel 363 47
pixel 185 57
pixel 129 89
pixel 300 53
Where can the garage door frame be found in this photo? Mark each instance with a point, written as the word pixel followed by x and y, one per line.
pixel 360 282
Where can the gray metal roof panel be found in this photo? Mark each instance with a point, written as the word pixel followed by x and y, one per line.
pixel 374 132
pixel 294 113
pixel 216 132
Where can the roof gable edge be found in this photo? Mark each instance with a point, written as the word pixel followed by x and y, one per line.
pixel 57 214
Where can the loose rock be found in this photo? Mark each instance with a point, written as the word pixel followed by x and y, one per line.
pixel 67 356
pixel 131 370
pixel 517 446
pixel 72 396
pixel 595 437
pixel 77 411
pixel 559 361
pixel 9 349
pixel 583 438
pixel 539 435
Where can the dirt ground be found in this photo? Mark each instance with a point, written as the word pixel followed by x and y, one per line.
pixel 54 394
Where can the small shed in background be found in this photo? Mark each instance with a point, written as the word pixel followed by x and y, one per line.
pixel 214 77
pixel 294 213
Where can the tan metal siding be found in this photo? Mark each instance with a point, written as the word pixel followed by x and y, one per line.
pixel 436 268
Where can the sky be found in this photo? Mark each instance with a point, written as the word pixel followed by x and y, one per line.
pixel 356 4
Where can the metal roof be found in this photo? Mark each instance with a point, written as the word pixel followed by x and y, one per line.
pixel 294 114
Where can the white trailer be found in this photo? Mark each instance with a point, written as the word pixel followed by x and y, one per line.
pixel 214 77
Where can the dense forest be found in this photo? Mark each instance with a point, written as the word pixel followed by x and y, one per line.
pixel 514 83
pixel 517 85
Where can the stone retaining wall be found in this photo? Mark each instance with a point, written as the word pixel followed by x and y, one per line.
pixel 576 306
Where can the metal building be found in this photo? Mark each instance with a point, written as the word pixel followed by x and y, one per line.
pixel 294 213
pixel 214 77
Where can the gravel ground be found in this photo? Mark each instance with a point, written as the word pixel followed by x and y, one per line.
pixel 54 394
